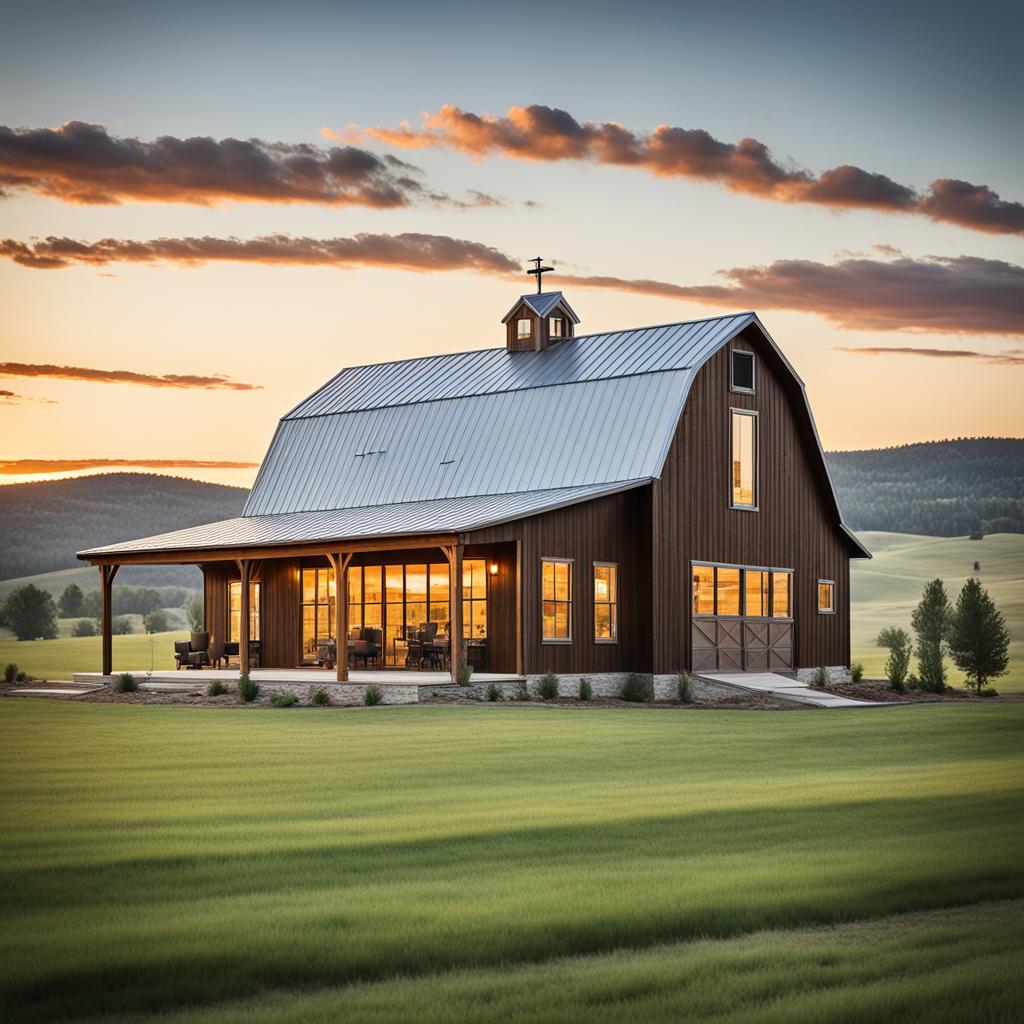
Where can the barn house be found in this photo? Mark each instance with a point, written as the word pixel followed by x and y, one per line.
pixel 645 500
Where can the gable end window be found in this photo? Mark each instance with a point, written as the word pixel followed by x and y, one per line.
pixel 826 597
pixel 556 600
pixel 742 379
pixel 743 460
pixel 524 329
pixel 556 327
pixel 606 603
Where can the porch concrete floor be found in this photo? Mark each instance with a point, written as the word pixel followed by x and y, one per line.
pixel 192 678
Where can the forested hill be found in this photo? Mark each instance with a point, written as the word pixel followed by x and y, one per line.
pixel 942 488
pixel 42 525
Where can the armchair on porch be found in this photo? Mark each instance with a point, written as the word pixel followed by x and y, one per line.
pixel 194 653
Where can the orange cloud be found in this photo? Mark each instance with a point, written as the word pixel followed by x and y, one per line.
pixel 992 359
pixel 82 163
pixel 546 133
pixel 409 251
pixel 14 467
pixel 167 380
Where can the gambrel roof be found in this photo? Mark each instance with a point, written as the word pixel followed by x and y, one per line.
pixel 455 442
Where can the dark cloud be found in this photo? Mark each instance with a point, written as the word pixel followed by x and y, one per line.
pixel 403 252
pixel 7 394
pixel 943 295
pixel 991 358
pixel 82 163
pixel 86 373
pixel 748 166
pixel 11 467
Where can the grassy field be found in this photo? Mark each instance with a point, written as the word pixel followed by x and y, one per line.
pixel 886 588
pixel 63 657
pixel 513 864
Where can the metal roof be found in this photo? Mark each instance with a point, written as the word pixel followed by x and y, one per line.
pixel 542 303
pixel 444 515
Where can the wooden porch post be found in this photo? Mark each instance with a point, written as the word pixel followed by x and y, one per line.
pixel 520 656
pixel 456 643
pixel 339 563
pixel 244 568
pixel 107 574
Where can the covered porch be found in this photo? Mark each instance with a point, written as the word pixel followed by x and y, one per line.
pixel 384 611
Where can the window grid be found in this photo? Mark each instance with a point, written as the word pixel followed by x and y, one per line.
pixel 606 603
pixel 735 591
pixel 556 600
pixel 524 329
pixel 234 626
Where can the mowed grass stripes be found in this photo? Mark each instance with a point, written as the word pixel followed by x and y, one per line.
pixel 158 858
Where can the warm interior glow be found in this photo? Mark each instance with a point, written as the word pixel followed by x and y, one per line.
pixel 744 448
pixel 606 602
pixel 556 595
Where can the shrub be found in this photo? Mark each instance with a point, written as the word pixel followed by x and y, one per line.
pixel 10 672
pixel 638 689
pixel 156 621
pixel 820 677
pixel 320 695
pixel 23 677
pixel 284 699
pixel 121 625
pixel 856 672
pixel 522 690
pixel 72 602
pixel 547 688
pixel 216 689
pixel 126 683
pixel 586 690
pixel 30 613
pixel 248 691
pixel 988 691
pixel 462 677
pixel 900 649
pixel 494 692
pixel 373 696
pixel 685 689
pixel 85 627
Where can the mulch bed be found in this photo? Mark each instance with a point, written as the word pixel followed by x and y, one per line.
pixel 880 690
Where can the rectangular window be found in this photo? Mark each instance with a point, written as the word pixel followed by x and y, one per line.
pixel 556 598
pixel 744 459
pixel 755 593
pixel 606 602
pixel 556 327
pixel 826 597
pixel 440 609
pixel 524 329
pixel 742 371
pixel 703 590
pixel 781 597
pixel 317 610
pixel 474 598
pixel 234 631
pixel 727 591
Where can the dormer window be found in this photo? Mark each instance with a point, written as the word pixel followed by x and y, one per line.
pixel 524 329
pixel 556 327
pixel 742 371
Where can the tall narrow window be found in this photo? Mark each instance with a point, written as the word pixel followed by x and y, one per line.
pixel 756 593
pixel 743 371
pixel 606 602
pixel 728 591
pixel 474 598
pixel 703 594
pixel 524 329
pixel 744 459
pixel 440 610
pixel 556 327
pixel 826 597
pixel 781 597
pixel 317 610
pixel 234 630
pixel 556 594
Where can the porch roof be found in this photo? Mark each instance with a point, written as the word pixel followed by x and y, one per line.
pixel 442 515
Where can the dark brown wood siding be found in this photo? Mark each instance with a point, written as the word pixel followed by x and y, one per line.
pixel 215 601
pixel 280 643
pixel 795 526
pixel 612 529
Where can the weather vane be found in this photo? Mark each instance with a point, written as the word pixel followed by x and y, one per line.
pixel 539 270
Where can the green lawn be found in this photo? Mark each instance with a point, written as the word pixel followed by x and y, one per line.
pixel 63 657
pixel 513 864
pixel 886 588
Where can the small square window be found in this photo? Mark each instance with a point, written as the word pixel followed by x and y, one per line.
pixel 743 371
pixel 556 327
pixel 826 597
pixel 524 329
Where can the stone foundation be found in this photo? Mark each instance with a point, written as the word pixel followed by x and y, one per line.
pixel 344 694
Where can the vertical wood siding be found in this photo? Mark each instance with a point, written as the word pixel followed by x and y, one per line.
pixel 794 528
pixel 280 642
pixel 215 600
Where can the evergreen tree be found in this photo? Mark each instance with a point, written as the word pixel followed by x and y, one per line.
pixel 930 621
pixel 31 613
pixel 978 639
pixel 72 602
pixel 900 649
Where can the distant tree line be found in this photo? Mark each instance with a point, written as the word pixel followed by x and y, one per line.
pixel 943 488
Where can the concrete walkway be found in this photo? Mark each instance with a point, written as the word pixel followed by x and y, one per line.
pixel 785 688
pixel 51 691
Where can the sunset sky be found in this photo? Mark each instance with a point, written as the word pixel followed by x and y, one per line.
pixel 207 210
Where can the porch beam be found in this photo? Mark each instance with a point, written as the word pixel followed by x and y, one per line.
pixel 107 574
pixel 233 554
pixel 456 644
pixel 339 563
pixel 245 570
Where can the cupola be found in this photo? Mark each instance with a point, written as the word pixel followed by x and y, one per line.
pixel 540 319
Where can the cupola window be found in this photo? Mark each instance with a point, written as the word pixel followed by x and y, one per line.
pixel 524 329
pixel 556 327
